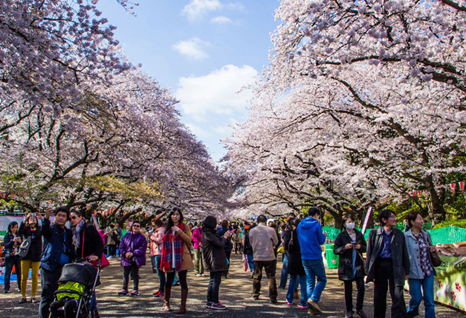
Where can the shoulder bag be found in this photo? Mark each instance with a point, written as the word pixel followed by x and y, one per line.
pixel 103 259
pixel 436 261
pixel 24 247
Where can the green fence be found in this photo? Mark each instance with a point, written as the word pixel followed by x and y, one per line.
pixel 446 235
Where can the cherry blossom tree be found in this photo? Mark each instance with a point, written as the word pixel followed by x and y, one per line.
pixel 374 91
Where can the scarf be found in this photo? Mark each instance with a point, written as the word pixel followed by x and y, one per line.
pixel 76 231
pixel 167 257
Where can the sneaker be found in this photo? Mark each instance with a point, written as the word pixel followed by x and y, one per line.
pixel 313 305
pixel 302 306
pixel 134 293
pixel 273 300
pixel 198 275
pixel 23 300
pixel 208 304
pixel 218 306
pixel 255 297
pixel 6 291
pixel 158 294
pixel 289 303
pixel 361 313
pixel 123 292
pixel 349 314
pixel 34 300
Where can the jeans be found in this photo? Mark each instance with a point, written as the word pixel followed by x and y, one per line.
pixel 134 270
pixel 284 273
pixel 228 255
pixel 384 279
pixel 314 268
pixel 49 281
pixel 9 262
pixel 349 294
pixel 294 279
pixel 160 272
pixel 427 285
pixel 270 269
pixel 250 262
pixel 198 265
pixel 214 286
pixel 112 250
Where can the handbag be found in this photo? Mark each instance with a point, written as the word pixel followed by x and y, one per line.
pixel 24 247
pixel 435 259
pixel 103 259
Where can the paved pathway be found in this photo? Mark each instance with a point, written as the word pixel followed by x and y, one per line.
pixel 235 293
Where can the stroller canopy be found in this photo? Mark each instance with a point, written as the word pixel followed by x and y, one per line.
pixel 83 273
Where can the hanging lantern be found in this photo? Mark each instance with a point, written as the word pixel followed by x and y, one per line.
pixel 461 186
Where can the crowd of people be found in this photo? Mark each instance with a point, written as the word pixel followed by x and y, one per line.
pixel 388 258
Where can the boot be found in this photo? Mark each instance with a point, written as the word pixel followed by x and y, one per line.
pixel 184 297
pixel 166 298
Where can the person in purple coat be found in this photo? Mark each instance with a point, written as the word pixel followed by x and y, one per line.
pixel 133 248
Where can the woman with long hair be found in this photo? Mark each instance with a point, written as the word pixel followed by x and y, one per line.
pixel 295 266
pixel 12 242
pixel 421 270
pixel 155 247
pixel 215 260
pixel 247 249
pixel 350 244
pixel 30 230
pixel 133 248
pixel 176 257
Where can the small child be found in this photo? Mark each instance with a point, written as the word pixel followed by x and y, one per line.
pixel 69 301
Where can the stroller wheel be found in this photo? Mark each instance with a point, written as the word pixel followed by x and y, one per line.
pixel 95 314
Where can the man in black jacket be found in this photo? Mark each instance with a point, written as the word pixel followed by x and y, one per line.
pixel 387 265
pixel 58 250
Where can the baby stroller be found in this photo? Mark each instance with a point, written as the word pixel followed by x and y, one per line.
pixel 76 295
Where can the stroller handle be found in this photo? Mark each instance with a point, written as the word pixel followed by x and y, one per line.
pixel 88 259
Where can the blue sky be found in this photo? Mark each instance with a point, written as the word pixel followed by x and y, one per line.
pixel 205 51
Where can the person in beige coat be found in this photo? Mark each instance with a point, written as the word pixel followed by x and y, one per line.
pixel 176 257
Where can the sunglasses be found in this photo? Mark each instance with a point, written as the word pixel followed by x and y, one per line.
pixel 136 225
pixel 73 217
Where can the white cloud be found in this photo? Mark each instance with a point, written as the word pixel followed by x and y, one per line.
pixel 198 131
pixel 196 9
pixel 192 48
pixel 217 92
pixel 221 20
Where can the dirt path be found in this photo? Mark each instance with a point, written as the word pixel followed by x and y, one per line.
pixel 235 293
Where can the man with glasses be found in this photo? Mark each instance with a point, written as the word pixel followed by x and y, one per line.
pixel 387 265
pixel 58 250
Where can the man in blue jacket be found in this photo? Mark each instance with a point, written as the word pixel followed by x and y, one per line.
pixel 58 250
pixel 311 237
